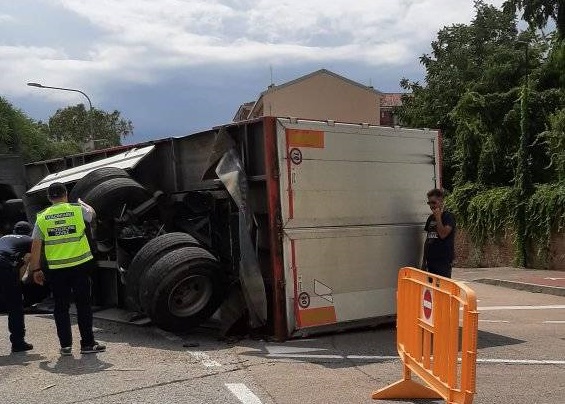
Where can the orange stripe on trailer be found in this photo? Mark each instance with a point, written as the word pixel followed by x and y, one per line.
pixel 317 316
pixel 305 138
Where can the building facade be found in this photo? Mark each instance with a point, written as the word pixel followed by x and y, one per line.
pixel 389 103
pixel 321 95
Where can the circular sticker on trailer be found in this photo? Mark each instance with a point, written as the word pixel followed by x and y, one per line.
pixel 295 156
pixel 427 304
pixel 304 300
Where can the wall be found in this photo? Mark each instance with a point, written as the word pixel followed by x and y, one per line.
pixel 323 97
pixel 500 253
pixel 12 178
pixel 388 118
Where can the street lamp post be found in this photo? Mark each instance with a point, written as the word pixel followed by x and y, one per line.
pixel 91 128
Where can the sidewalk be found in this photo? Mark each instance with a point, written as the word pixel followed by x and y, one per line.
pixel 536 281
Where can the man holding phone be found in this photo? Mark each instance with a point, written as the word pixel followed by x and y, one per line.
pixel 439 249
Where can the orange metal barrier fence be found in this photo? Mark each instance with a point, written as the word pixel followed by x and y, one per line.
pixel 430 309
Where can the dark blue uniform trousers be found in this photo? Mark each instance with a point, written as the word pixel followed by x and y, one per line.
pixel 11 289
pixel 65 283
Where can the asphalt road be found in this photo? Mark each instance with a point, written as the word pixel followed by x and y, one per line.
pixel 521 360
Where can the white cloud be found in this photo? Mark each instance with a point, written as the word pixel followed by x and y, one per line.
pixel 139 39
pixel 6 18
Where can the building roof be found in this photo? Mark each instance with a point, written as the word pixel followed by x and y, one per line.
pixel 391 99
pixel 273 87
pixel 317 72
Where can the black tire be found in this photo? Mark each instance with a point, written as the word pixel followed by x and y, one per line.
pixel 109 197
pixel 93 178
pixel 189 273
pixel 13 210
pixel 148 255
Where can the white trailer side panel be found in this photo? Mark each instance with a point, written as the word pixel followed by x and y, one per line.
pixel 353 208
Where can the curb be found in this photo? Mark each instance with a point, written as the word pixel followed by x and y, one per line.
pixel 528 287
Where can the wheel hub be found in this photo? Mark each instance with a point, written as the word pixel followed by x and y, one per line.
pixel 190 295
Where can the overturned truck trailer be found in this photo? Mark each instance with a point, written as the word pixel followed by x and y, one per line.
pixel 298 225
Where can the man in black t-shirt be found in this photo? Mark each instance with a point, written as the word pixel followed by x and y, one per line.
pixel 439 250
pixel 14 251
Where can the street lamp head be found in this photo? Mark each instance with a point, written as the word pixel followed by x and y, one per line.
pixel 35 85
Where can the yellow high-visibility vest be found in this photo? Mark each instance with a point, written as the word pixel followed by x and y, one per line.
pixel 64 233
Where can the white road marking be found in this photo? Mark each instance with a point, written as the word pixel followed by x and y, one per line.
pixel 368 357
pixel 493 321
pixel 322 356
pixel 385 357
pixel 243 393
pixel 204 359
pixel 522 361
pixel 548 307
pixel 554 279
pixel 285 349
pixel 303 356
pixel 554 322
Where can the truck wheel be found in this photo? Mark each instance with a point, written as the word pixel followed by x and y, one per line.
pixel 109 197
pixel 183 289
pixel 148 255
pixel 93 178
pixel 11 212
pixel 13 209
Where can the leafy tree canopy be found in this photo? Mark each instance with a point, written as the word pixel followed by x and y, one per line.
pixel 539 12
pixel 66 133
pixel 498 95
pixel 472 91
pixel 74 124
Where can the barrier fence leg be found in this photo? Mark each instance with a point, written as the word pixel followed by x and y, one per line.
pixel 404 389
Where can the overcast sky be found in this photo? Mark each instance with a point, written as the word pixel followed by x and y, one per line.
pixel 177 66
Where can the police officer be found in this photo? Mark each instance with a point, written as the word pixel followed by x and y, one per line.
pixel 60 231
pixel 14 251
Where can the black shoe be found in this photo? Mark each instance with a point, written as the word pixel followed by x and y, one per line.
pixel 93 348
pixel 21 347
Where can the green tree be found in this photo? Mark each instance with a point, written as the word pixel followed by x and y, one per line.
pixel 552 73
pixel 72 124
pixel 480 57
pixel 498 95
pixel 538 12
pixel 19 134
pixel 35 141
pixel 555 139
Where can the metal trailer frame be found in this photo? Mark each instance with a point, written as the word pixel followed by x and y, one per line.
pixel 178 166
